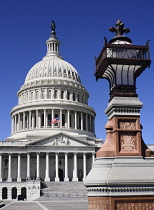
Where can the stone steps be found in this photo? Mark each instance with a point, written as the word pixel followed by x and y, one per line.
pixel 63 190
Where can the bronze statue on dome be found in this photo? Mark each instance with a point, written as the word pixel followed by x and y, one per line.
pixel 53 27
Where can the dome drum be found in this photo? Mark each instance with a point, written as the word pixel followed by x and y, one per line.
pixel 34 119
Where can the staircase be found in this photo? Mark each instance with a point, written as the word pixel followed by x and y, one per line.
pixel 62 190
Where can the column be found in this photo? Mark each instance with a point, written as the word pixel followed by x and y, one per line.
pixel 94 124
pixel 23 120
pixel 93 157
pixel 75 168
pixel 52 117
pixel 30 117
pixel 1 193
pixel 68 119
pixel 84 166
pixel 12 125
pixel 0 167
pixel 60 118
pixel 32 120
pixel 66 179
pixel 15 123
pixel 28 165
pixel 86 122
pixel 56 166
pixel 45 124
pixel 75 120
pixel 90 124
pixel 81 121
pixel 38 166
pixel 37 119
pixel 18 122
pixel 47 178
pixel 27 120
pixel 9 179
pixel 19 168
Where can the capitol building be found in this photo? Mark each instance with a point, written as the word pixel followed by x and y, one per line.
pixel 53 129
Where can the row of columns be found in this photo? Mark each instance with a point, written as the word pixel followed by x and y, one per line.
pixel 47 178
pixel 32 120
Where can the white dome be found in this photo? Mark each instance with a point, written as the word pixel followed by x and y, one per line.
pixel 52 67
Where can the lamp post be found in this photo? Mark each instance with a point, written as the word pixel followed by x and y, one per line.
pixel 121 174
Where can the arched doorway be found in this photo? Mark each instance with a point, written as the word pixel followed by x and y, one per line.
pixel 61 175
pixel 14 193
pixel 23 192
pixel 4 193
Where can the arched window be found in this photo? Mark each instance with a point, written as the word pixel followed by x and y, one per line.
pixel 62 94
pixel 31 95
pixel 49 93
pixel 73 96
pixel 78 98
pixel 37 94
pixel 27 96
pixel 4 193
pixel 82 98
pixel 43 94
pixel 55 94
pixel 68 95
pixel 14 193
pixel 24 192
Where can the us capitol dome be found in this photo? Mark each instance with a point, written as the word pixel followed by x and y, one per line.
pixel 52 89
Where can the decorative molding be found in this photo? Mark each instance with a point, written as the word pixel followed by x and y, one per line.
pixel 98 191
pixel 127 125
pixel 127 142
pixel 127 205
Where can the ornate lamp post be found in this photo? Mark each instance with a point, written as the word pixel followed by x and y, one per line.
pixel 122 172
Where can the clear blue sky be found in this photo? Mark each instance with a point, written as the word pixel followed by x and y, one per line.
pixel 81 26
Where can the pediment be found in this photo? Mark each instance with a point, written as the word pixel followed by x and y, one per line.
pixel 61 140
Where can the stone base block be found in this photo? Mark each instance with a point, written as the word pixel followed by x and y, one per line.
pixel 18 179
pixel 47 179
pixel 66 179
pixel 75 179
pixel 118 203
pixel 56 179
pixel 9 180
